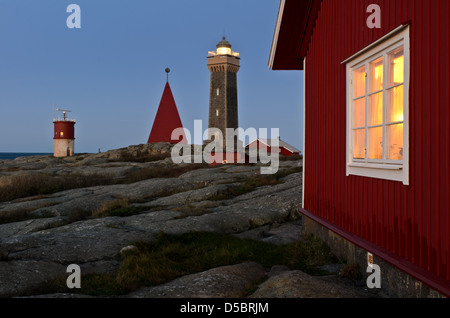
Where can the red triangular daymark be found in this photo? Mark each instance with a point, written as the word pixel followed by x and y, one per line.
pixel 167 120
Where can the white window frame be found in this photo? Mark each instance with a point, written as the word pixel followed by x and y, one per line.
pixel 380 169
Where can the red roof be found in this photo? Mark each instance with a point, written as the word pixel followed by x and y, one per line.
pixel 295 24
pixel 281 144
pixel 167 120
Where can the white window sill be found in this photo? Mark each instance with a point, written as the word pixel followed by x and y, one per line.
pixel 384 166
pixel 378 171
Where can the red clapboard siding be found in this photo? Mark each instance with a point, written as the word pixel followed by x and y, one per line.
pixel 412 222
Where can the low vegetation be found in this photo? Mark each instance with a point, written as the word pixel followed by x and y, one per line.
pixel 172 256
pixel 290 158
pixel 188 209
pixel 351 271
pixel 121 208
pixel 23 214
pixel 14 216
pixel 142 157
pixel 162 172
pixel 251 184
pixel 43 184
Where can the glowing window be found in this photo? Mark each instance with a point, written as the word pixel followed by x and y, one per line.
pixel 224 51
pixel 377 134
pixel 61 134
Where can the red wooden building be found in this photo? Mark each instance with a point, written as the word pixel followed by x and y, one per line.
pixel 376 125
pixel 283 148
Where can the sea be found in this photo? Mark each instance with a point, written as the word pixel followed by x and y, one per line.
pixel 14 155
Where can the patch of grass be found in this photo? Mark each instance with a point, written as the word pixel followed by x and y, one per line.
pixel 351 271
pixel 10 169
pixel 23 214
pixel 290 158
pixel 245 187
pixel 121 208
pixel 251 184
pixel 163 172
pixel 42 184
pixel 189 210
pixel 14 216
pixel 284 173
pixel 142 157
pixel 172 256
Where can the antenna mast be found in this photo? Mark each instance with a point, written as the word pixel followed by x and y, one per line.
pixel 167 71
pixel 64 111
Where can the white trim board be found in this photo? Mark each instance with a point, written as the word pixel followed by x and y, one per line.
pixel 273 49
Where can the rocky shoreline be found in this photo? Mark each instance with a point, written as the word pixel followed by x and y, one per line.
pixel 47 232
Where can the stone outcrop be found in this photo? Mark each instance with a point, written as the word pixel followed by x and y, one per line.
pixel 223 282
pixel 62 228
pixel 297 284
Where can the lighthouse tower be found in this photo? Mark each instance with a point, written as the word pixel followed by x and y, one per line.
pixel 64 135
pixel 223 65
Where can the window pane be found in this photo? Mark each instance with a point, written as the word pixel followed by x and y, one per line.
pixel 376 75
pixel 395 107
pixel 376 143
pixel 359 82
pixel 395 142
pixel 397 67
pixel 359 113
pixel 375 109
pixel 359 144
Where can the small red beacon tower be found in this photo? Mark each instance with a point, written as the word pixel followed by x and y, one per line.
pixel 64 136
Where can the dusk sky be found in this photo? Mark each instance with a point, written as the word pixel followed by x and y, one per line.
pixel 110 73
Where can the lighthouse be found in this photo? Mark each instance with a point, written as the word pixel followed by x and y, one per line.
pixel 223 65
pixel 64 135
